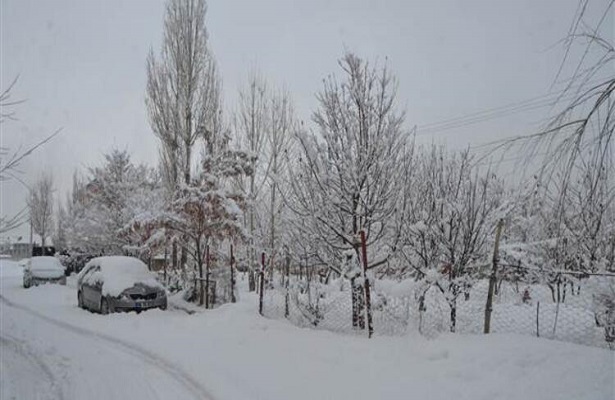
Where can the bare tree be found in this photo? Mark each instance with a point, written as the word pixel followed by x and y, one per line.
pixel 11 159
pixel 251 126
pixel 40 203
pixel 452 215
pixel 351 170
pixel 183 86
pixel 282 127
pixel 183 91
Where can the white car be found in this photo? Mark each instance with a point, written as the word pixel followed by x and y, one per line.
pixel 43 270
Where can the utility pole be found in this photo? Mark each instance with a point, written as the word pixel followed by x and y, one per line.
pixel 493 278
pixel 31 236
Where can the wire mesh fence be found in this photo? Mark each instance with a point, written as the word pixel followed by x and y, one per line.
pixel 583 315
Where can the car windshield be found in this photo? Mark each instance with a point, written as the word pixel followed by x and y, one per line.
pixel 45 263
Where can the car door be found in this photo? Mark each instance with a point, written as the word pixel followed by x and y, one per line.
pixel 87 287
pixel 96 288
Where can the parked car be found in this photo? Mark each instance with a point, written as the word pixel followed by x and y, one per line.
pixel 118 283
pixel 45 269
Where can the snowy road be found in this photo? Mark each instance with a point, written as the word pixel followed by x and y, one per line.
pixel 51 349
pixel 42 358
pixel 24 374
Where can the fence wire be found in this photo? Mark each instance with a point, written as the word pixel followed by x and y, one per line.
pixel 585 313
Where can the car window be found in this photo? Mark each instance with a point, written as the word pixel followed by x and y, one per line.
pixel 45 263
pixel 93 276
pixel 87 271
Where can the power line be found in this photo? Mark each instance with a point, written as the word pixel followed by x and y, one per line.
pixel 545 100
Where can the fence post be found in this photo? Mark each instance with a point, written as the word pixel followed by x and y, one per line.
pixel 286 308
pixel 165 266
pixel 206 278
pixel 537 319
pixel 261 284
pixel 233 300
pixel 493 278
pixel 368 302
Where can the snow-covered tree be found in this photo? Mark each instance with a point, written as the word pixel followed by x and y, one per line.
pixel 452 218
pixel 40 205
pixel 251 126
pixel 350 172
pixel 183 87
pixel 105 202
pixel 206 211
pixel 183 94
pixel 264 126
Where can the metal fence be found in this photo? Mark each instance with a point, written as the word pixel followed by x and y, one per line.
pixel 582 316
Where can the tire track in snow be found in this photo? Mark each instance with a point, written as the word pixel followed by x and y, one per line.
pixel 173 370
pixel 20 350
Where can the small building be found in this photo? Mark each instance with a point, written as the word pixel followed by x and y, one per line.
pixel 16 251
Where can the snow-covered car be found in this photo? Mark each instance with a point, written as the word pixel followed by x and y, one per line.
pixel 119 283
pixel 43 269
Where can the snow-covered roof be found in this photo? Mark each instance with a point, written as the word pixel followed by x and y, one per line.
pixel 45 263
pixel 118 273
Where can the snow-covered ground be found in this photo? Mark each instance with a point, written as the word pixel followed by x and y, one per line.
pixel 51 349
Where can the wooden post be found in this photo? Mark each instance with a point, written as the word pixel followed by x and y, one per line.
pixel 166 283
pixel 199 279
pixel 261 284
pixel 493 278
pixel 537 319
pixel 368 303
pixel 233 299
pixel 286 299
pixel 206 278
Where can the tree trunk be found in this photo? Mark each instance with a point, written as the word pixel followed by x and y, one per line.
pixel 287 283
pixel 233 299
pixel 262 285
pixel 453 305
pixel 358 320
pixel 368 304
pixel 200 262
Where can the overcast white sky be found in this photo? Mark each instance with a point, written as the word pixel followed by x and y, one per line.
pixel 81 66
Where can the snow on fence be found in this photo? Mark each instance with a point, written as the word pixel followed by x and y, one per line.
pixel 522 309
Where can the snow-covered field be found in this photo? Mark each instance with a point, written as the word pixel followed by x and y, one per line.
pixel 50 349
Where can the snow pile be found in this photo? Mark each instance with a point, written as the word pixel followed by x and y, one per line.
pixel 236 354
pixel 118 273
pixel 10 268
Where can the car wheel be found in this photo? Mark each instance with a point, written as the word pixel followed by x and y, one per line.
pixel 104 306
pixel 80 300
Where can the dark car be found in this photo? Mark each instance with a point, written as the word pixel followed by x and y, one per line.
pixel 118 283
